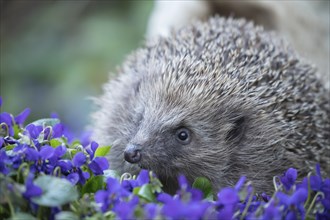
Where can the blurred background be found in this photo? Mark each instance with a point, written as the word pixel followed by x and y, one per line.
pixel 56 54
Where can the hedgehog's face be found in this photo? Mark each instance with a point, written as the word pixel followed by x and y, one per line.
pixel 174 133
pixel 179 123
pixel 184 129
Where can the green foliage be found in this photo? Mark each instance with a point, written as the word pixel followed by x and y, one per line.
pixel 111 173
pixel 93 184
pixel 102 151
pixel 46 122
pixel 56 191
pixel 55 142
pixel 145 192
pixel 205 186
pixel 23 216
pixel 66 215
pixel 44 174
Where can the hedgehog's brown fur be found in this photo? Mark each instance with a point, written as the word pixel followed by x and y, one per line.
pixel 252 105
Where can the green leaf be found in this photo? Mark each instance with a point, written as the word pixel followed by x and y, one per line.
pixel 72 152
pixel 25 139
pixel 100 216
pixel 145 192
pixel 92 185
pixel 243 194
pixel 17 130
pixel 156 184
pixel 55 142
pixel 46 122
pixel 76 144
pixel 102 151
pixel 10 147
pixel 23 215
pixel 111 173
pixel 56 191
pixel 14 195
pixel 66 215
pixel 205 186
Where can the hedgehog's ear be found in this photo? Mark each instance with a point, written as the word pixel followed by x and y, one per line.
pixel 238 128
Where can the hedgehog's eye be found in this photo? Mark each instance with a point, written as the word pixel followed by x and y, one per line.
pixel 183 135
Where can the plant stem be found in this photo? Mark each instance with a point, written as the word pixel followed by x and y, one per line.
pixel 309 189
pixel 313 201
pixel 247 205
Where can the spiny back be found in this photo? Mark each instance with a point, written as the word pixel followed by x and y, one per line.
pixel 247 98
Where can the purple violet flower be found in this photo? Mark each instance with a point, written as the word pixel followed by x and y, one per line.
pixel 61 129
pixel 46 152
pixel 142 178
pixel 58 153
pixel 112 195
pixel 98 165
pixel 325 188
pixel 195 194
pixel 73 178
pixel 33 130
pixel 21 117
pixel 316 181
pixel 4 161
pixel 46 133
pixel 317 184
pixel 39 158
pixel 186 204
pixel 78 160
pixel 58 130
pixel 289 178
pixel 227 201
pixel 271 212
pixel 150 211
pixel 10 140
pixel 174 208
pixel 265 197
pixel 240 183
pixel 8 120
pixel 65 165
pixel 125 209
pixel 296 200
pixel 83 176
pixel 2 141
pixel 85 138
pixel 32 190
pixel 92 148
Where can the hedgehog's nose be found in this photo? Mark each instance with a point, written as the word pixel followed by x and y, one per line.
pixel 132 153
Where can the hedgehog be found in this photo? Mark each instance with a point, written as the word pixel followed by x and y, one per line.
pixel 218 99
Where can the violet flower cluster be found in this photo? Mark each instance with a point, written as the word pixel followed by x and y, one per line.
pixel 43 148
pixel 46 173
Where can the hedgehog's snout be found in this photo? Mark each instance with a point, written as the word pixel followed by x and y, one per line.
pixel 132 153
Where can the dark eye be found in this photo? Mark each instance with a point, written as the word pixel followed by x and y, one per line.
pixel 183 135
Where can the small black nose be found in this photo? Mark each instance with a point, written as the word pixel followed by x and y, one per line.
pixel 132 153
